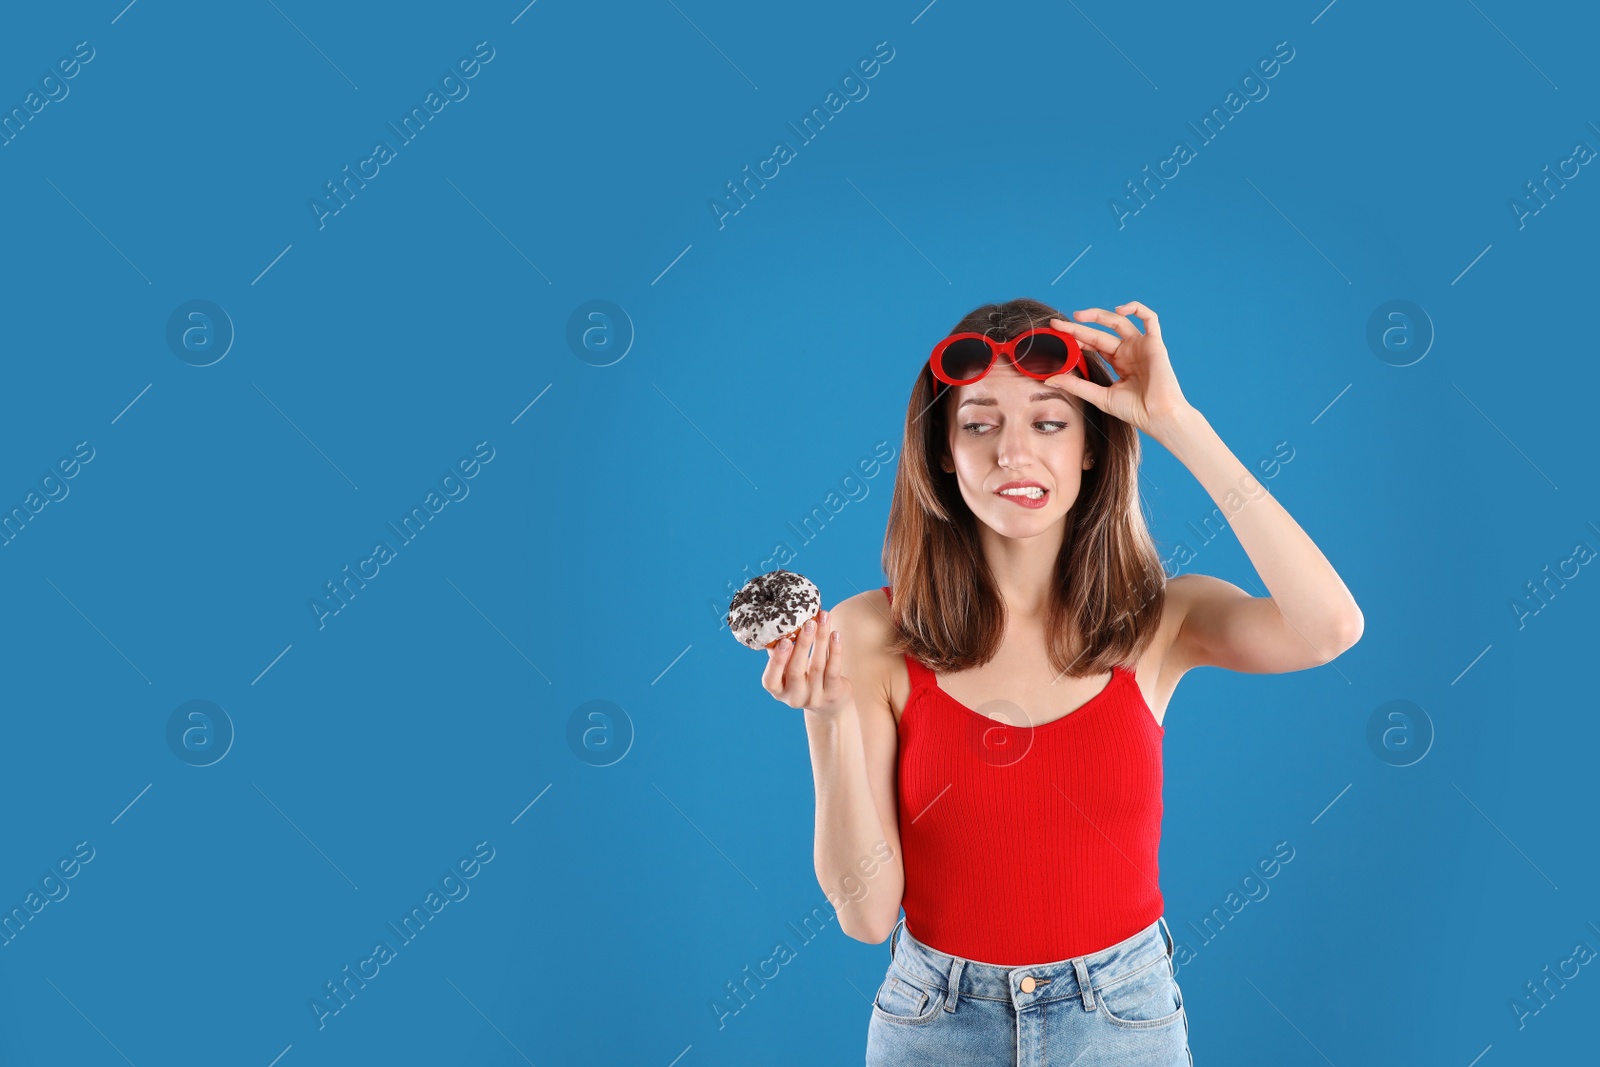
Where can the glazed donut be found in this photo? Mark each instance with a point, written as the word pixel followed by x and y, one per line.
pixel 772 606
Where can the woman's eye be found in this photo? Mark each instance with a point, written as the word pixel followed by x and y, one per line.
pixel 976 429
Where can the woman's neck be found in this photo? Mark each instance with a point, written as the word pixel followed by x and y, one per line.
pixel 1023 568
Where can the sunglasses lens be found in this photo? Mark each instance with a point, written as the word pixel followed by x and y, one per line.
pixel 1043 354
pixel 966 358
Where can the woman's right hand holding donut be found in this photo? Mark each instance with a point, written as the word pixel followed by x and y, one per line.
pixel 809 671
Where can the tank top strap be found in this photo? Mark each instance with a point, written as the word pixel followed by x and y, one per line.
pixel 921 677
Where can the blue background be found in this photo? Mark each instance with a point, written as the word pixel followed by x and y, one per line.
pixel 749 369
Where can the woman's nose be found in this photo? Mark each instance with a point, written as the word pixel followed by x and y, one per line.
pixel 1015 447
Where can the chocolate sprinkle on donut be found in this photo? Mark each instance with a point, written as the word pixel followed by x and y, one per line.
pixel 772 606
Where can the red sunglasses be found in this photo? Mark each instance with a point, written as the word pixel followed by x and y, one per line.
pixel 963 358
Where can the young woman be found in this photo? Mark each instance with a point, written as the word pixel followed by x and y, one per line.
pixel 986 730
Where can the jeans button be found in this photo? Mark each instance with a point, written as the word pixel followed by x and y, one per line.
pixel 1027 984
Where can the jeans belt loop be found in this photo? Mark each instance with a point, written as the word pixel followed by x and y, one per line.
pixel 1083 982
pixel 894 936
pixel 953 984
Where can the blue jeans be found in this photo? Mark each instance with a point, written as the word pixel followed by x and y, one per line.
pixel 1119 1007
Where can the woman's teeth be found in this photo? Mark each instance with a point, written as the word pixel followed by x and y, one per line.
pixel 1032 492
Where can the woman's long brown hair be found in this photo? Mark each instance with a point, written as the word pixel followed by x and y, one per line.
pixel 1109 586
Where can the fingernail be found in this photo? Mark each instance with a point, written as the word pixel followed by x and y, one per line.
pixel 783 646
pixel 810 625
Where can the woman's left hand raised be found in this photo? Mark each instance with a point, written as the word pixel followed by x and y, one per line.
pixel 1147 394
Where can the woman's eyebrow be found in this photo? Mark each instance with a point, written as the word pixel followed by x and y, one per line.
pixel 989 401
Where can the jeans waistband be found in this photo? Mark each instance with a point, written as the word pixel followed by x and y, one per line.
pixel 1078 976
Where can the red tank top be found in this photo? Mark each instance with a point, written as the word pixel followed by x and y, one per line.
pixel 1028 845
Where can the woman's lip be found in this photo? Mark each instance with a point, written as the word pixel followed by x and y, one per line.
pixel 1044 497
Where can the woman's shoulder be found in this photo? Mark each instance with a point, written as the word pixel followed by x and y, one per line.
pixel 1182 592
pixel 865 616
pixel 866 630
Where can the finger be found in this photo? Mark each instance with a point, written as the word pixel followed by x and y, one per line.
pixel 819 658
pixel 794 675
pixel 830 677
pixel 1089 337
pixel 1083 388
pixel 1152 325
pixel 1113 364
pixel 777 659
pixel 1107 344
pixel 1125 329
pixel 1120 323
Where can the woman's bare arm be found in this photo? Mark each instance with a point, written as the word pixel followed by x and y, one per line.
pixel 1309 616
pixel 852 735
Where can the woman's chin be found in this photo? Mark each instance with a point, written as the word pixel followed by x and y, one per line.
pixel 1019 523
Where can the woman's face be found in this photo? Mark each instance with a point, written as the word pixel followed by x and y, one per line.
pixel 1009 428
